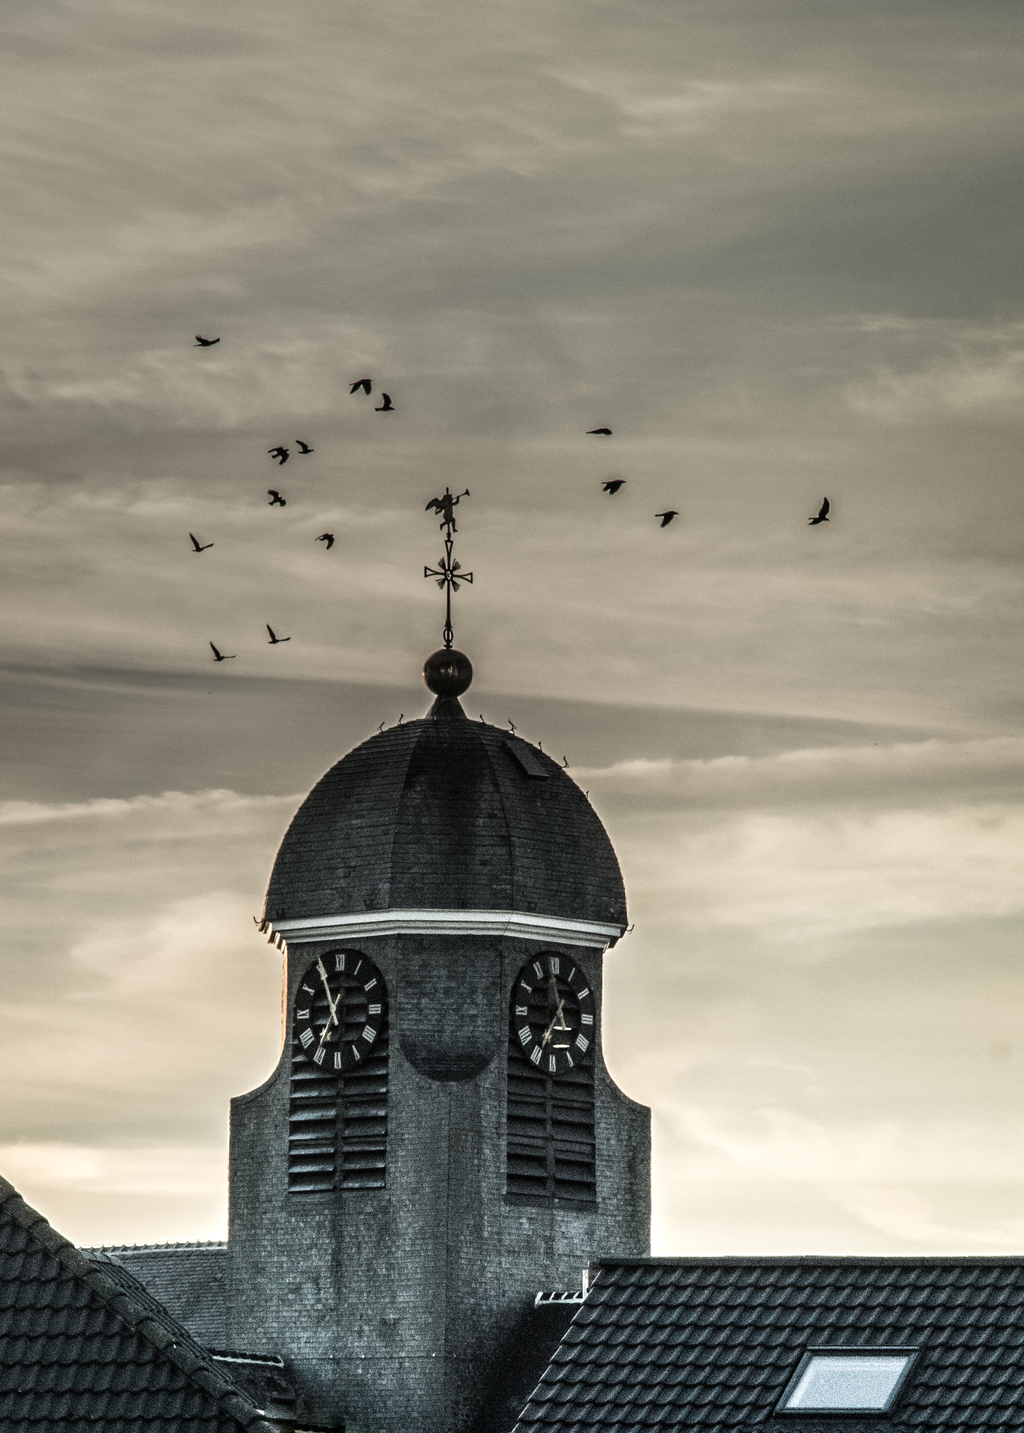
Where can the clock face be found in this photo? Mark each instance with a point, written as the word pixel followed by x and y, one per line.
pixel 553 1014
pixel 339 1008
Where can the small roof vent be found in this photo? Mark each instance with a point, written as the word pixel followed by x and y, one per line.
pixel 522 755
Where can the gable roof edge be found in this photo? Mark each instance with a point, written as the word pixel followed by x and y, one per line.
pixel 229 1400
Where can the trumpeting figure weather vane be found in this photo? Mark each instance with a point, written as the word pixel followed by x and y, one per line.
pixel 448 573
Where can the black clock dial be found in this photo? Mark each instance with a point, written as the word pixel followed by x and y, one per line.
pixel 339 1008
pixel 553 1014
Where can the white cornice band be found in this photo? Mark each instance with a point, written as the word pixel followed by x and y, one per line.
pixel 521 925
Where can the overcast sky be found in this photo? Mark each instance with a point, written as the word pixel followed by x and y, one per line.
pixel 775 245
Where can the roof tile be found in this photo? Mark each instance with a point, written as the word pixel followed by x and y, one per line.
pixel 91 1352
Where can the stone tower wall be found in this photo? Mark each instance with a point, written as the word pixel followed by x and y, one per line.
pixel 393 1306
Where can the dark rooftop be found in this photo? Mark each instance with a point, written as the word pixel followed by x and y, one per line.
pixel 712 1343
pixel 444 813
pixel 84 1349
pixel 189 1280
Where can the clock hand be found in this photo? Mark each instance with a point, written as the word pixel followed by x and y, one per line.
pixel 558 1015
pixel 560 1000
pixel 332 1004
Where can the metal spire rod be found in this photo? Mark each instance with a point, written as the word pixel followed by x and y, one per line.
pixel 448 572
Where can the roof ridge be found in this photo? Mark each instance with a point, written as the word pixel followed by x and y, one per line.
pixel 228 1398
pixel 142 1248
pixel 681 1261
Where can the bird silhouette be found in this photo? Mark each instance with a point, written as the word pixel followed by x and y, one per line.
pixel 667 516
pixel 220 656
pixel 303 447
pixel 364 384
pixel 599 432
pixel 387 406
pixel 280 453
pixel 327 537
pixel 274 639
pixel 198 546
pixel 613 485
pixel 202 342
pixel 276 500
pixel 823 512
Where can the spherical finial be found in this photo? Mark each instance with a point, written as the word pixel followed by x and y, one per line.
pixel 448 673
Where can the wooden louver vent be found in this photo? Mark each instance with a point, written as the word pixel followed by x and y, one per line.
pixel 338 1124
pixel 550 1132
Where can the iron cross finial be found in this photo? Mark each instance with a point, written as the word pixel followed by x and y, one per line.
pixel 448 572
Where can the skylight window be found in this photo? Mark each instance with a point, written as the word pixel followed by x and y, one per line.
pixel 847 1380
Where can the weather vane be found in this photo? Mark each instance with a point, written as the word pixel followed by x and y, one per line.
pixel 448 571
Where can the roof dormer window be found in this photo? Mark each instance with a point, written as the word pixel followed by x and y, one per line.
pixel 847 1380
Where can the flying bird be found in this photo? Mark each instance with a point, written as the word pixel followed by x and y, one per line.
pixel 387 406
pixel 666 517
pixel 303 447
pixel 613 485
pixel 364 384
pixel 274 639
pixel 327 537
pixel 822 514
pixel 599 432
pixel 202 342
pixel 280 453
pixel 198 546
pixel 276 500
pixel 220 656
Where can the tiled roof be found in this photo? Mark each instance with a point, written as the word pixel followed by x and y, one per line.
pixel 84 1349
pixel 711 1343
pixel 117 1249
pixel 441 814
pixel 189 1280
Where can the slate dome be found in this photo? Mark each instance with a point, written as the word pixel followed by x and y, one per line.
pixel 444 813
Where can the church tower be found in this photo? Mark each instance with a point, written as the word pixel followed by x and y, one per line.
pixel 440 1139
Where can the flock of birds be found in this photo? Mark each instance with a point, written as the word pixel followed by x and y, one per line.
pixel 614 485
pixel 365 386
pixel 281 455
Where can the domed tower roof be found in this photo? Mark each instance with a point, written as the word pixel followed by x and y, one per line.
pixel 446 815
